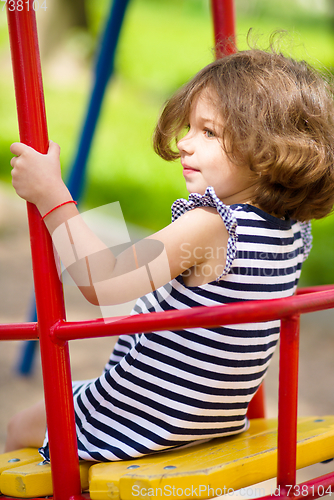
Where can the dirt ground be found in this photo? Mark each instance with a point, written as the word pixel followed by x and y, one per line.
pixel 317 336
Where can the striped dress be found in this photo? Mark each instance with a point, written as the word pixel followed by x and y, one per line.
pixel 170 388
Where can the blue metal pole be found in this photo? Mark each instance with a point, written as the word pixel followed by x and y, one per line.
pixel 103 71
pixel 26 358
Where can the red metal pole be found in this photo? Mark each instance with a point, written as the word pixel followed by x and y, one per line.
pixel 203 316
pixel 48 288
pixel 288 403
pixel 19 331
pixel 223 13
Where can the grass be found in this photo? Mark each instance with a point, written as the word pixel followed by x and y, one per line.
pixel 162 45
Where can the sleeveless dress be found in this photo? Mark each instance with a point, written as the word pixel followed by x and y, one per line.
pixel 167 389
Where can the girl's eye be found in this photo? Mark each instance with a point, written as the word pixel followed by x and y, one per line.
pixel 209 133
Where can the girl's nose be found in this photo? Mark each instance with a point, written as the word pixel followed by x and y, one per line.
pixel 185 144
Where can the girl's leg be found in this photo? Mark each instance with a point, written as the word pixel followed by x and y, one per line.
pixel 27 428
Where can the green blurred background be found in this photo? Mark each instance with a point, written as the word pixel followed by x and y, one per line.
pixel 163 43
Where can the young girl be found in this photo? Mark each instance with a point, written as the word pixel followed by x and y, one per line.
pixel 255 135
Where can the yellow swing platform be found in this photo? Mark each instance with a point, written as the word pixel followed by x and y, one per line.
pixel 208 470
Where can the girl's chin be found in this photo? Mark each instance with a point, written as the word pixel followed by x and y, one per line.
pixel 195 189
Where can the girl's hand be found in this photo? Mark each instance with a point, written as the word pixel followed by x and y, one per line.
pixel 37 177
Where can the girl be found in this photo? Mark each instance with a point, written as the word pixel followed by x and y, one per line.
pixel 255 135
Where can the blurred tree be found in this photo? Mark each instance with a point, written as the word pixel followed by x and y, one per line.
pixel 63 17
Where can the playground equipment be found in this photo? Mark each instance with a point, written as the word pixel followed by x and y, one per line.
pixel 199 472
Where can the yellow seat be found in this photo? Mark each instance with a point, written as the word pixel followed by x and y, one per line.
pixel 211 469
pixel 30 476
pixel 17 458
pixel 202 471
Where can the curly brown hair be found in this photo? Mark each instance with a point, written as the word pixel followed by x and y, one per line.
pixel 278 116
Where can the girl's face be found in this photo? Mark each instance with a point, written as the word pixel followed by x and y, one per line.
pixel 204 161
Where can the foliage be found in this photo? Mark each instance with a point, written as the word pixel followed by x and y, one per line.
pixel 318 269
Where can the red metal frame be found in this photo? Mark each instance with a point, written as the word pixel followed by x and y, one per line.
pixel 54 332
pixel 287 402
pixel 48 289
pixel 223 15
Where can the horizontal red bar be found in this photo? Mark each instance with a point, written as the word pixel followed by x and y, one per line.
pixel 241 312
pixel 311 289
pixel 308 300
pixel 19 331
pixel 314 488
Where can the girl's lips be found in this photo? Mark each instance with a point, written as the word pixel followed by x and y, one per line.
pixel 188 170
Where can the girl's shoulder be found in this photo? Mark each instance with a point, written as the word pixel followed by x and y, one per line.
pixel 210 200
pixel 246 217
pixel 255 216
pixel 288 230
pixel 232 215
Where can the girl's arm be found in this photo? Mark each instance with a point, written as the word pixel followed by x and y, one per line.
pixel 102 278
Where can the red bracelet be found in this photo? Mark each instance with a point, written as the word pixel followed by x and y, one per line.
pixel 58 206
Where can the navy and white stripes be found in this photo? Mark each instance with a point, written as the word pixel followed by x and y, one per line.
pixel 166 389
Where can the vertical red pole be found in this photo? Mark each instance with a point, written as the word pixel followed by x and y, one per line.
pixel 223 13
pixel 48 288
pixel 288 403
